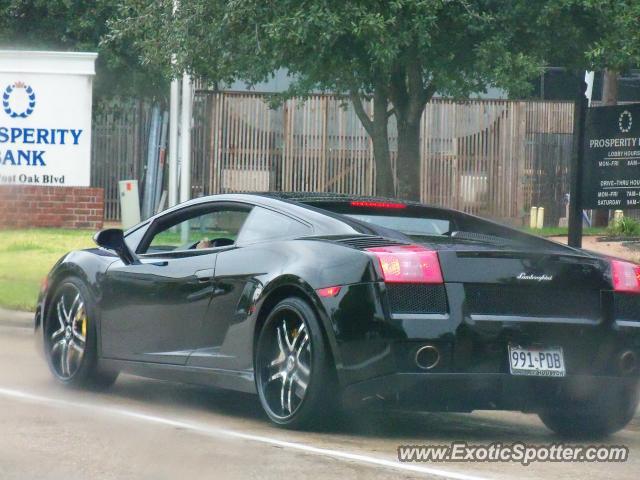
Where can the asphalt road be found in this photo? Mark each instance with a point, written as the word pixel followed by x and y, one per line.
pixel 143 429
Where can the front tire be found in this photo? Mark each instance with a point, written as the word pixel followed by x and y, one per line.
pixel 603 415
pixel 70 337
pixel 294 373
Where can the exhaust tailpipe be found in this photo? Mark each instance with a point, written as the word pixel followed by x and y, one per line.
pixel 427 357
pixel 628 362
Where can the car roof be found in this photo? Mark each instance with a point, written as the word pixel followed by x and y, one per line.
pixel 323 221
pixel 301 200
pixel 308 207
pixel 301 205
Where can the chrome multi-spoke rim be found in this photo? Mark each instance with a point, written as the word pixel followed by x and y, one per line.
pixel 285 368
pixel 67 332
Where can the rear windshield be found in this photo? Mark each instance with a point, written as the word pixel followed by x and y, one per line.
pixel 410 220
pixel 412 226
pixel 422 223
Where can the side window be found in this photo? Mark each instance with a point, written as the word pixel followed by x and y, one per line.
pixel 264 224
pixel 210 229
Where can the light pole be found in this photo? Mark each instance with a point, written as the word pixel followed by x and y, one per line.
pixel 185 139
pixel 174 118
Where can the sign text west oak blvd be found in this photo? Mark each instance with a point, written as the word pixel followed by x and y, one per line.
pixel 611 169
pixel 32 136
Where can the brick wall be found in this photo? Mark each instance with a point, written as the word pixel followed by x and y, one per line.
pixel 24 206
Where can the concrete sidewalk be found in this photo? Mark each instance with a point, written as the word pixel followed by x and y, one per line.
pixel 13 318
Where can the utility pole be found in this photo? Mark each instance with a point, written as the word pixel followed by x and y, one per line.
pixel 174 119
pixel 185 139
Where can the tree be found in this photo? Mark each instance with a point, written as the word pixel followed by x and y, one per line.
pixel 74 25
pixel 397 52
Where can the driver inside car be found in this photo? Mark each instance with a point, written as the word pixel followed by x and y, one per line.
pixel 204 243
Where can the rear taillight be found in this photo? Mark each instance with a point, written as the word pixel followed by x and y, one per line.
pixel 626 276
pixel 408 264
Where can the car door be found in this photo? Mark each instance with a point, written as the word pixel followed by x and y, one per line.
pixel 153 311
pixel 226 336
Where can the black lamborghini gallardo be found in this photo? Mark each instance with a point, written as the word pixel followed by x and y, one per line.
pixel 315 301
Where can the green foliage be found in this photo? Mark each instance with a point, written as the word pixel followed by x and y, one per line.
pixel 399 52
pixel 458 47
pixel 76 25
pixel 331 45
pixel 617 46
pixel 624 227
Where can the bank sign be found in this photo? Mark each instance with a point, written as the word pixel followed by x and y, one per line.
pixel 611 169
pixel 45 125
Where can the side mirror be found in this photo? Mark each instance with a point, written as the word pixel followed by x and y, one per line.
pixel 113 239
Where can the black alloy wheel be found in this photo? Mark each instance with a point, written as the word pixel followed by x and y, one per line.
pixel 67 332
pixel 294 374
pixel 70 337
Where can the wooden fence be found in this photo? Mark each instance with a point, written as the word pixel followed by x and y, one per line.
pixel 487 157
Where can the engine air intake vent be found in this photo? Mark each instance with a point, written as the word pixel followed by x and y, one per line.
pixel 532 301
pixel 480 237
pixel 416 298
pixel 368 241
pixel 626 307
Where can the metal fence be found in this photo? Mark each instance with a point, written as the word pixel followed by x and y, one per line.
pixel 118 149
pixel 493 158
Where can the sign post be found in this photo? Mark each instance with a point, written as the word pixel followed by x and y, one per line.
pixel 577 156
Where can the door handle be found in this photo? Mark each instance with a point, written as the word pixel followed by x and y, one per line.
pixel 204 275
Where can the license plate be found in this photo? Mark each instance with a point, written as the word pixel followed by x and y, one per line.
pixel 539 362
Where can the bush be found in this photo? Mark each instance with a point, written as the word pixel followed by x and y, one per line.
pixel 625 227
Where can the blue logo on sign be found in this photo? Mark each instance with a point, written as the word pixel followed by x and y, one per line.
pixel 6 100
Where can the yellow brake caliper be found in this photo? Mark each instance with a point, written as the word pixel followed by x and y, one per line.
pixel 83 320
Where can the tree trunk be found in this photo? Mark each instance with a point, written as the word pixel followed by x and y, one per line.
pixel 610 87
pixel 409 95
pixel 408 163
pixel 384 174
pixel 377 128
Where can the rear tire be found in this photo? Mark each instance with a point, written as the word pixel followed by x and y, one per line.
pixel 294 372
pixel 70 337
pixel 604 415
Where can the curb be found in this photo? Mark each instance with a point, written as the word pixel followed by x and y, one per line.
pixel 15 318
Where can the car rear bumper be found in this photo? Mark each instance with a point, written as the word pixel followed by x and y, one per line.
pixel 464 392
pixel 372 340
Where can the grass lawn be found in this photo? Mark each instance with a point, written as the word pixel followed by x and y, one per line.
pixel 564 231
pixel 26 256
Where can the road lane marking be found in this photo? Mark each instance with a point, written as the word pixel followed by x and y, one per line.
pixel 223 432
